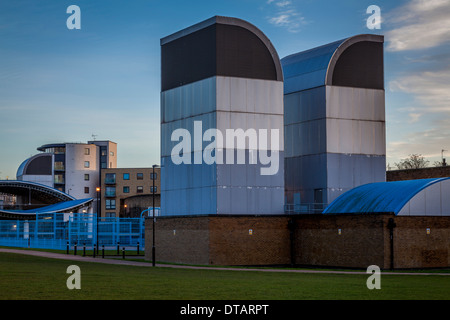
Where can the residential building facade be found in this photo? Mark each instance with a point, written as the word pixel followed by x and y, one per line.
pixel 126 192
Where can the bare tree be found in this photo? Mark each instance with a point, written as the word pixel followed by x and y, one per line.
pixel 415 161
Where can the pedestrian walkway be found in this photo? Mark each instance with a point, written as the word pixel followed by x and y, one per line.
pixel 125 262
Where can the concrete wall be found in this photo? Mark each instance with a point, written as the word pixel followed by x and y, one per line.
pixel 349 241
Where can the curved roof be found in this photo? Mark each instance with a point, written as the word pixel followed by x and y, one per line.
pixel 379 197
pixel 219 46
pixel 41 166
pixel 42 193
pixel 315 67
pixel 65 206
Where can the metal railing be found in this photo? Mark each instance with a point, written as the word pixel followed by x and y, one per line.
pixel 57 230
pixel 305 208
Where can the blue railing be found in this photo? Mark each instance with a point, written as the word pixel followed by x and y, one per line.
pixel 57 230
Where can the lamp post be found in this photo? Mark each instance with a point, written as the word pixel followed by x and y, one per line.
pixel 98 212
pixel 153 200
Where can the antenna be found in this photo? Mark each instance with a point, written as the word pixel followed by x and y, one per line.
pixel 444 164
pixel 94 136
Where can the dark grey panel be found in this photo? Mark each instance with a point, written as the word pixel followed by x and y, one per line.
pixel 219 49
pixel 41 165
pixel 360 66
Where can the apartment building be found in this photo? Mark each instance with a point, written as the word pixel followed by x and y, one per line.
pixel 126 192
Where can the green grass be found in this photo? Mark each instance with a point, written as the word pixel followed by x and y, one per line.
pixel 27 277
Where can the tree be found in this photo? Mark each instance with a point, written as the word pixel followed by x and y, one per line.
pixel 415 161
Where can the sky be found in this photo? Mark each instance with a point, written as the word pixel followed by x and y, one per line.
pixel 103 80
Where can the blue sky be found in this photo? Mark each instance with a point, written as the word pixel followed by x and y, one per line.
pixel 61 85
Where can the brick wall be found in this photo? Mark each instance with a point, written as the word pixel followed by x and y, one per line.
pixel 249 241
pixel 412 174
pixel 220 240
pixel 178 240
pixel 353 241
pixel 414 248
pixel 340 241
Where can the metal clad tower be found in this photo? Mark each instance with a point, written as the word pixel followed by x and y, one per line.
pixel 222 73
pixel 334 120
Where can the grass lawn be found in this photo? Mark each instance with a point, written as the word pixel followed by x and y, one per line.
pixel 35 278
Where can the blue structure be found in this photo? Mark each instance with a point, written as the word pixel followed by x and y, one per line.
pixel 65 206
pixel 57 230
pixel 425 197
pixel 334 121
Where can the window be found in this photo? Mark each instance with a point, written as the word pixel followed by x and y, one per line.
pixel 86 177
pixel 140 176
pixel 126 189
pixel 110 192
pixel 59 165
pixel 140 189
pixel 153 176
pixel 86 164
pixel 110 214
pixel 154 189
pixel 110 178
pixel 59 178
pixel 111 154
pixel 126 176
pixel 86 189
pixel 87 151
pixel 110 204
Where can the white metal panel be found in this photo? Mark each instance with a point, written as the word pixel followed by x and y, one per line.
pixel 417 205
pixel 238 92
pixel 223 93
pixel 355 103
pixel 223 121
pixel 251 96
pixel 445 197
pixel 433 200
pixel 332 135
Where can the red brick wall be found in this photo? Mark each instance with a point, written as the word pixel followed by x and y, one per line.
pixel 412 174
pixel 359 244
pixel 414 248
pixel 363 240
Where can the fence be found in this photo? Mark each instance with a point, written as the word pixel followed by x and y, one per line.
pixel 57 230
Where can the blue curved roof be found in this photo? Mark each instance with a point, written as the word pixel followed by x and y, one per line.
pixel 308 69
pixel 379 197
pixel 53 208
pixel 22 168
pixel 312 68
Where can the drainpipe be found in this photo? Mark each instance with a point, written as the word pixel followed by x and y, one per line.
pixel 391 225
pixel 291 227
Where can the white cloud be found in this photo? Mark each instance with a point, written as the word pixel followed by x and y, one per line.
pixel 429 88
pixel 286 15
pixel 420 24
pixel 424 129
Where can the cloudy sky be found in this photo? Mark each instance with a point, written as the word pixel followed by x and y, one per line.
pixel 61 85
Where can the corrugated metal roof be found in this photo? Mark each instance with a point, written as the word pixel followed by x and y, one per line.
pixel 379 197
pixel 308 69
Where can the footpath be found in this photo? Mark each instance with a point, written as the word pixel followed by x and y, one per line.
pixel 125 262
